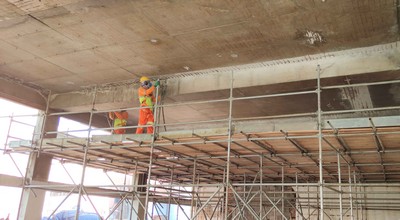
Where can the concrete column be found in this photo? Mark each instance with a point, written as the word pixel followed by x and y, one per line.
pixel 38 168
pixel 139 179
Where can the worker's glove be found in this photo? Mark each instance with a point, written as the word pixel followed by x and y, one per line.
pixel 157 83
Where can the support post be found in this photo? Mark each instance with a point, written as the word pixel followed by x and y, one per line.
pixel 340 188
pixel 308 200
pixel 45 115
pixel 228 162
pixel 151 153
pixel 350 195
pixel 134 182
pixel 297 197
pixel 321 177
pixel 356 193
pixel 170 193
pixel 261 186
pixel 8 133
pixel 84 163
pixel 283 191
pixel 193 187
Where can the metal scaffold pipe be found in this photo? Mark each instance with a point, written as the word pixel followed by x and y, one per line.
pixel 321 177
pixel 361 84
pixel 84 163
pixel 151 153
pixel 228 181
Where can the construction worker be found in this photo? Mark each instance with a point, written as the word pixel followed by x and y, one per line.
pixel 120 120
pixel 147 99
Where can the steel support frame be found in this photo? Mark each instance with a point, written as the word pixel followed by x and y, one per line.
pixel 228 185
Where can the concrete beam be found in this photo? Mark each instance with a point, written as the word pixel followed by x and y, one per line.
pixel 349 62
pixel 22 94
pixel 106 98
pixel 11 181
pixel 343 63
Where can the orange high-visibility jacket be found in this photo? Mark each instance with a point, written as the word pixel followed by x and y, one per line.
pixel 121 119
pixel 146 96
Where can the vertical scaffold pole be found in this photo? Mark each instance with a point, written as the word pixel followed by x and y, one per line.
pixel 340 188
pixel 356 192
pixel 170 192
pixel 297 197
pixel 227 182
pixel 134 189
pixel 44 123
pixel 261 186
pixel 321 177
pixel 283 191
pixel 308 200
pixel 193 188
pixel 84 163
pixel 151 154
pixel 8 133
pixel 350 195
pixel 122 205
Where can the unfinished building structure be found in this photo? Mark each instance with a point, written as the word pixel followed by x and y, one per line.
pixel 266 109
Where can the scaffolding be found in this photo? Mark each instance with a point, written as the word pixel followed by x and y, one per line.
pixel 233 171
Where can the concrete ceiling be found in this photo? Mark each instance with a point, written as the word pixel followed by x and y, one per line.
pixel 67 45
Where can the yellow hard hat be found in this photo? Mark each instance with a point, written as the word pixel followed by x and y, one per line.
pixel 144 78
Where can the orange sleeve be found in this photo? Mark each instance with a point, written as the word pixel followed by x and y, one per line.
pixel 146 92
pixel 111 115
pixel 123 115
pixel 150 91
pixel 141 91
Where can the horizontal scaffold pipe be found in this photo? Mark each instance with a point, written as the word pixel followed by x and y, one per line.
pixel 19 116
pixel 361 110
pixel 275 116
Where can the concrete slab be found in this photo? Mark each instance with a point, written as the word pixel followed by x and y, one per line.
pixel 96 34
pixel 135 26
pixel 8 10
pixel 69 82
pixel 34 70
pixel 175 19
pixel 81 62
pixel 14 54
pixel 20 26
pixel 45 43
pixel 119 55
pixel 154 51
pixel 201 35
pixel 105 76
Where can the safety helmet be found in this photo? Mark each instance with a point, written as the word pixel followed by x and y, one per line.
pixel 144 78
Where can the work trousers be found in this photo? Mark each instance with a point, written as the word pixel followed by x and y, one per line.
pixel 146 117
